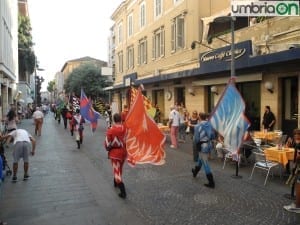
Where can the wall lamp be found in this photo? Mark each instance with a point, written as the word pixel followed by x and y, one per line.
pixel 191 91
pixel 193 45
pixel 214 90
pixel 269 86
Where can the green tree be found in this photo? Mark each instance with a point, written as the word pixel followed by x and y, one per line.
pixel 51 86
pixel 27 57
pixel 88 77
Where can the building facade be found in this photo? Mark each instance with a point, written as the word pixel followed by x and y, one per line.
pixel 8 53
pixel 70 65
pixel 153 47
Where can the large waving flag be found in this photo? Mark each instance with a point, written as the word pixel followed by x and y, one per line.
pixel 87 111
pixel 147 103
pixel 144 140
pixel 229 119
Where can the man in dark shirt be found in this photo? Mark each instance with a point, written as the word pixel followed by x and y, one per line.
pixel 268 119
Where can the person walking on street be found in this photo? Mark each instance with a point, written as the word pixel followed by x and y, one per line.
pixel 11 120
pixel 203 135
pixel 22 140
pixel 268 119
pixel 183 121
pixel 115 145
pixel 38 117
pixel 64 112
pixel 174 126
pixel 78 122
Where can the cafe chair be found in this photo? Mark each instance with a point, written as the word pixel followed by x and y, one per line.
pixel 262 163
pixel 230 156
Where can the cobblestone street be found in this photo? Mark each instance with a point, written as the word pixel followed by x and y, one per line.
pixel 75 186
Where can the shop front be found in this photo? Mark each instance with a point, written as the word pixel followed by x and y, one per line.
pixel 270 79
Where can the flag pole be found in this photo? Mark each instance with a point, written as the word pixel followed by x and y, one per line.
pixel 232 79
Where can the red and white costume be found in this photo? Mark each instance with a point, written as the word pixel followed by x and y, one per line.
pixel 115 145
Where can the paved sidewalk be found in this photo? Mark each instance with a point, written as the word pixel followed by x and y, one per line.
pixel 71 186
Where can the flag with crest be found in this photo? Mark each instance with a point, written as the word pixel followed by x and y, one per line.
pixel 147 103
pixel 140 148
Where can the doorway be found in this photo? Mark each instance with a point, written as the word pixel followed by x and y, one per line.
pixel 250 92
pixel 289 105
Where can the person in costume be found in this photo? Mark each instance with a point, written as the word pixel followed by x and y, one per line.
pixel 77 123
pixel 115 145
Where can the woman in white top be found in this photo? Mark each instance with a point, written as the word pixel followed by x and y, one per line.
pixel 38 118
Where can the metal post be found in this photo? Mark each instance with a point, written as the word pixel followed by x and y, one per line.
pixel 232 72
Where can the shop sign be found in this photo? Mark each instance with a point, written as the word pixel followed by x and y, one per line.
pixel 223 55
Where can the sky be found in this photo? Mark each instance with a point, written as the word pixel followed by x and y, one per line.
pixel 63 30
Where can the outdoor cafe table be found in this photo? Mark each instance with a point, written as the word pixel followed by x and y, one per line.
pixel 268 136
pixel 281 156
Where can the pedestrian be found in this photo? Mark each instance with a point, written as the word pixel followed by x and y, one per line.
pixel 294 179
pixel 174 126
pixel 57 114
pixel 268 119
pixel 192 122
pixel 64 112
pixel 157 114
pixel 203 136
pixel 21 140
pixel 11 120
pixel 78 128
pixel 183 121
pixel 108 115
pixel 38 117
pixel 115 145
pixel 69 116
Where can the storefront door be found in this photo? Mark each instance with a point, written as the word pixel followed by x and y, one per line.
pixel 289 105
pixel 250 92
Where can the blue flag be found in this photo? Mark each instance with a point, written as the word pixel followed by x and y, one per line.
pixel 88 112
pixel 229 119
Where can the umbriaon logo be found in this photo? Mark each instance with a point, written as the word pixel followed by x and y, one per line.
pixel 264 8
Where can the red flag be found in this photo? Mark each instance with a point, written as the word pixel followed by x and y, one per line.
pixel 147 103
pixel 144 140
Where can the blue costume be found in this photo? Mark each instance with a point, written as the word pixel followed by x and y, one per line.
pixel 203 135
